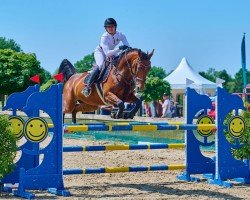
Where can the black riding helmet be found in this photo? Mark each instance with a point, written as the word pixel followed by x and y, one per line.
pixel 110 21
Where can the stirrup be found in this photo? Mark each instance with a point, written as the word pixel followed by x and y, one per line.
pixel 86 91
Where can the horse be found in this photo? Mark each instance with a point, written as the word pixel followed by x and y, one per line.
pixel 130 70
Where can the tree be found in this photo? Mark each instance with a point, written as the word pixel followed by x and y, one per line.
pixel 45 75
pixel 157 72
pixel 8 147
pixel 209 74
pixel 238 87
pixel 155 88
pixel 15 70
pixel 85 64
pixel 231 86
pixel 226 77
pixel 9 44
pixel 212 74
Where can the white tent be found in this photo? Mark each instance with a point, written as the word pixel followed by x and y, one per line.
pixel 177 78
pixel 185 75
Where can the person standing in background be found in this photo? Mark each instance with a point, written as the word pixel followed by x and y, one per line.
pixel 173 109
pixel 166 112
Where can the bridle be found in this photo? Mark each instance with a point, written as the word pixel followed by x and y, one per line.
pixel 139 66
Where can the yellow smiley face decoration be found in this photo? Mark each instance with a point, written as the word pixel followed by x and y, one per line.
pixel 17 124
pixel 36 129
pixel 205 131
pixel 236 126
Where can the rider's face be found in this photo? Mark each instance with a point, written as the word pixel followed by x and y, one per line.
pixel 110 29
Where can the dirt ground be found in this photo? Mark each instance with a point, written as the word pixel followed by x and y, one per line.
pixel 141 185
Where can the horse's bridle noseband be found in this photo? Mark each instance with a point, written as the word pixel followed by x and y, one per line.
pixel 140 66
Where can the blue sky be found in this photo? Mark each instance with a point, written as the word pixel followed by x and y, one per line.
pixel 208 32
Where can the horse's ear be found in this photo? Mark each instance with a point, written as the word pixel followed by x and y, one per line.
pixel 151 54
pixel 139 53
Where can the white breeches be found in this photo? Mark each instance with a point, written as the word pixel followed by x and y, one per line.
pixel 99 58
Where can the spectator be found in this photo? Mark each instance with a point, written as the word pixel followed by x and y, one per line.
pixel 166 112
pixel 141 108
pixel 173 109
pixel 147 109
pixel 158 108
pixel 152 109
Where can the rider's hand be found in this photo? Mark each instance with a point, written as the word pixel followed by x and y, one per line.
pixel 123 47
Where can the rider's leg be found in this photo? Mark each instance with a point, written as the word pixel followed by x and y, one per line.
pixel 92 77
pixel 99 58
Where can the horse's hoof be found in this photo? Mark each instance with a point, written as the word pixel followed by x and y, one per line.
pixel 126 116
pixel 118 116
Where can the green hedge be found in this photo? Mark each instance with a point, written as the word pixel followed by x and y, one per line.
pixel 8 147
pixel 243 152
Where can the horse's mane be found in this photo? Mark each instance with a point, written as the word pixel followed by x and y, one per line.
pixel 144 56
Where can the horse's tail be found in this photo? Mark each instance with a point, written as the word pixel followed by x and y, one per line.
pixel 67 69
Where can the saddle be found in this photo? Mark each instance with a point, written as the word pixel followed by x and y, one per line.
pixel 103 75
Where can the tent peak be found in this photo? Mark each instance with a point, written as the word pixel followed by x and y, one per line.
pixel 184 65
pixel 184 61
pixel 183 71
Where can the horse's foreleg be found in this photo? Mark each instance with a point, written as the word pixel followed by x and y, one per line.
pixel 114 100
pixel 133 99
pixel 83 107
pixel 74 117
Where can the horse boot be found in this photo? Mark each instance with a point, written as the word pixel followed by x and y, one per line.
pixel 92 77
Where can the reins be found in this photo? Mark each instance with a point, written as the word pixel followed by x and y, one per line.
pixel 133 74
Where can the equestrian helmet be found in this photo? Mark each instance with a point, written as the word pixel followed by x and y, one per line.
pixel 110 21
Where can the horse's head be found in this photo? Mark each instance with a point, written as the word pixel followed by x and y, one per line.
pixel 141 66
pixel 136 65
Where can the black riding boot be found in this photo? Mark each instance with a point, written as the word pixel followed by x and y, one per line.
pixel 92 77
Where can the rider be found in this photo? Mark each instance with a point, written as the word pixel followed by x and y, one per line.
pixel 109 40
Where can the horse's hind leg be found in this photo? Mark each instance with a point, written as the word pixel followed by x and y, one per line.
pixel 69 103
pixel 74 117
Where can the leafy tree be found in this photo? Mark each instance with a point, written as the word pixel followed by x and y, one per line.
pixel 212 74
pixel 231 86
pixel 85 64
pixel 154 89
pixel 9 44
pixel 8 147
pixel 209 74
pixel 225 76
pixel 244 151
pixel 45 75
pixel 157 72
pixel 15 70
pixel 238 80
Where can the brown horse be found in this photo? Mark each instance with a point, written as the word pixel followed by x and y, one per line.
pixel 131 70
